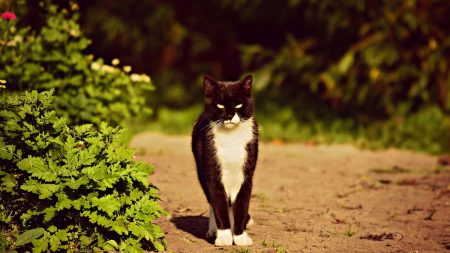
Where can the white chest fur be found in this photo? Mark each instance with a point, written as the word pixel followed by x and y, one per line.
pixel 230 145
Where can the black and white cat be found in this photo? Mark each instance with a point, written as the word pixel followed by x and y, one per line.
pixel 225 147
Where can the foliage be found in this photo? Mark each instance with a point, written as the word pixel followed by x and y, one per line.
pixel 360 68
pixel 409 132
pixel 349 232
pixel 355 56
pixel 277 248
pixel 369 60
pixel 52 56
pixel 70 189
pixel 176 121
pixel 277 123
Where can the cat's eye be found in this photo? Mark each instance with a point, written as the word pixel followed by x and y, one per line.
pixel 238 106
pixel 220 106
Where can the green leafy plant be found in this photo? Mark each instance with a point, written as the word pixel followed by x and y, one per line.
pixel 331 71
pixel 369 72
pixel 378 60
pixel 277 247
pixel 349 232
pixel 70 188
pixel 241 250
pixel 52 57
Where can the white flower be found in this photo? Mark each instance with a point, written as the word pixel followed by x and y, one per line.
pixel 11 43
pixel 74 6
pixel 95 66
pixel 135 77
pixel 145 78
pixel 105 68
pixel 140 78
pixel 17 39
pixel 115 62
pixel 74 32
pixel 127 68
pixel 109 69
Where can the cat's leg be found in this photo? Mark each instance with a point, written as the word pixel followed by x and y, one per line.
pixel 219 202
pixel 212 228
pixel 240 212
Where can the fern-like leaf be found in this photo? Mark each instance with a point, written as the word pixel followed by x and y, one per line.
pixel 43 190
pixel 38 168
pixel 108 204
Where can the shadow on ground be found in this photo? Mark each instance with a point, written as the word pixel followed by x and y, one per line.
pixel 194 225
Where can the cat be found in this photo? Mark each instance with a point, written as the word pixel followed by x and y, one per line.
pixel 225 147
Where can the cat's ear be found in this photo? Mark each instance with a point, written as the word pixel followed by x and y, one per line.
pixel 209 85
pixel 247 84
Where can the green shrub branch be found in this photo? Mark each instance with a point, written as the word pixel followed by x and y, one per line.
pixel 70 188
pixel 51 57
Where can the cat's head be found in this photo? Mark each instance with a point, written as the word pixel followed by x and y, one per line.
pixel 228 103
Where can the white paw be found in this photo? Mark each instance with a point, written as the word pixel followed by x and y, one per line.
pixel 224 238
pixel 242 239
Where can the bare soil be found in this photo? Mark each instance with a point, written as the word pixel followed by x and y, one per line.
pixel 311 198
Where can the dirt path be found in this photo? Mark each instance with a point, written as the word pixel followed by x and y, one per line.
pixel 311 199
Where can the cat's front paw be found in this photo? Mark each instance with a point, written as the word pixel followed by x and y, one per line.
pixel 242 239
pixel 224 238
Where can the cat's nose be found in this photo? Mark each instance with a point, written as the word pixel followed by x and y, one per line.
pixel 230 116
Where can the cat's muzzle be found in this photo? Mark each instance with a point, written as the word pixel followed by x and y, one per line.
pixel 232 122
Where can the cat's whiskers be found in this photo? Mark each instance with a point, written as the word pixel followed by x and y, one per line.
pixel 204 128
pixel 217 122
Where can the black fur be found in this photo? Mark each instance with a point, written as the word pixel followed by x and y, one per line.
pixel 228 94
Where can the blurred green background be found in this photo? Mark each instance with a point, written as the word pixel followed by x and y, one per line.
pixel 372 73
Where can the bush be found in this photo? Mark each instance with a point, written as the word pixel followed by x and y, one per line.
pixel 359 59
pixel 70 189
pixel 346 67
pixel 347 57
pixel 403 132
pixel 51 57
